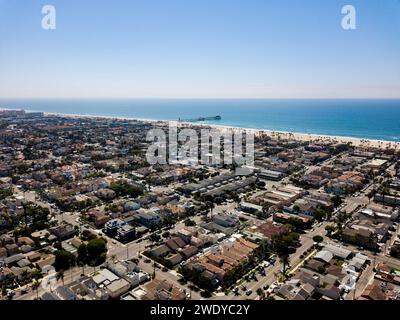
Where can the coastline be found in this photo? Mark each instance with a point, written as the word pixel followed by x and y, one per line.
pixel 358 142
pixel 301 136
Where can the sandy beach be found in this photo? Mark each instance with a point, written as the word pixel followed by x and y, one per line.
pixel 358 142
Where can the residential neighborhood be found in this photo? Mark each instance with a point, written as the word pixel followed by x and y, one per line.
pixel 84 216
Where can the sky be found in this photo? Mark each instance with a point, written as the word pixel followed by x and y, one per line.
pixel 289 49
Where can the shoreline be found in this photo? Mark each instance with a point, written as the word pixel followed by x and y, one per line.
pixel 358 142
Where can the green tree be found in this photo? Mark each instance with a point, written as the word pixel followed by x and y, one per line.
pixel 35 286
pixel 122 188
pixel 96 250
pixel 330 229
pixel 318 239
pixel 284 245
pixel 336 200
pixel 261 293
pixel 285 260
pixel 36 274
pixel 166 234
pixel 64 260
pixel 82 253
pixel 154 237
pixel 189 223
pixel 320 215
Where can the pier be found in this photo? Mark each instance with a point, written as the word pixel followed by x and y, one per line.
pixel 201 119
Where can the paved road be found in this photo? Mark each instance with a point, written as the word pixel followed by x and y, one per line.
pixel 69 276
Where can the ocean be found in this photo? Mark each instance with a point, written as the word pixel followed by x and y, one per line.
pixel 368 119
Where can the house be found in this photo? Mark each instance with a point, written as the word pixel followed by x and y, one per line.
pixel 128 271
pixel 63 293
pixel 111 227
pixel 227 221
pixel 358 262
pixel 250 207
pixel 220 259
pixel 33 256
pixel 24 263
pixel 104 277
pixel 25 241
pixel 98 218
pixel 10 261
pixel 148 218
pixel 6 274
pixel 374 291
pixel 175 243
pixel 117 288
pixel 45 261
pixel 174 259
pixel 338 251
pixel 131 206
pixel 295 290
pixel 213 227
pixel 271 229
pixel 11 249
pixel 271 175
pixel 126 232
pixel 308 276
pixel 188 252
pixel 63 231
pixel 162 290
pixel 324 256
pixel 86 289
pixel 330 291
pixel 376 211
pixel 376 164
pixel 361 237
pixel 390 199
pixel 6 239
pixel 160 251
pixel 41 235
pixel 106 194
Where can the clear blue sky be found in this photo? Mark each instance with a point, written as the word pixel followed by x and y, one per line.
pixel 200 49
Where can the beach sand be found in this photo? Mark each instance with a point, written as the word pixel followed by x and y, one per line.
pixel 315 138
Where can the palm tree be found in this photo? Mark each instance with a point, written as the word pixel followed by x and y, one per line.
pixel 35 286
pixel 60 275
pixel 285 261
pixel 82 264
pixel 210 206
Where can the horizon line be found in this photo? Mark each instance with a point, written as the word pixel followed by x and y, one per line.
pixel 193 98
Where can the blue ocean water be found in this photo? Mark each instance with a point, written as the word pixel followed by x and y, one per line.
pixel 370 119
